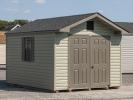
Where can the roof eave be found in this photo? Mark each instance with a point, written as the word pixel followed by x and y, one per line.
pixel 10 32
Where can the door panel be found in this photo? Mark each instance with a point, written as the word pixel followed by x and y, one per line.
pixel 79 62
pixel 100 61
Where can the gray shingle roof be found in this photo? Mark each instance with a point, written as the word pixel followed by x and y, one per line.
pixel 126 25
pixel 50 24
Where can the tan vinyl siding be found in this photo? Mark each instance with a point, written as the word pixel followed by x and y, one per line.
pixel 127 54
pixel 61 54
pixel 115 62
pixel 2 54
pixel 39 73
pixel 61 61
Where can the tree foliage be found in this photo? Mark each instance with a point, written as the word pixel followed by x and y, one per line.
pixel 4 23
pixel 20 22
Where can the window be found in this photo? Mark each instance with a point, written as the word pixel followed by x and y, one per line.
pixel 28 49
pixel 90 25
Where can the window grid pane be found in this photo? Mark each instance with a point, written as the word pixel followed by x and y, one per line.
pixel 28 49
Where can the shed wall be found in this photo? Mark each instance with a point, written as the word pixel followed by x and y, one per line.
pixel 61 61
pixel 127 59
pixel 61 54
pixel 2 54
pixel 2 49
pixel 127 54
pixel 39 73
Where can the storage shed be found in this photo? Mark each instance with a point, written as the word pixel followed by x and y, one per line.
pixel 66 53
pixel 127 53
pixel 3 44
pixel 2 50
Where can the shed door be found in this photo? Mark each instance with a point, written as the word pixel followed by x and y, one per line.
pixel 89 62
pixel 100 61
pixel 79 62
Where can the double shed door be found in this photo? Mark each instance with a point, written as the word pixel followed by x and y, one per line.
pixel 88 61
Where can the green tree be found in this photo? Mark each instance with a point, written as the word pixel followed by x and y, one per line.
pixel 3 24
pixel 20 22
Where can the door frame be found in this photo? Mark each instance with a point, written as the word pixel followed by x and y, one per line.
pixel 69 69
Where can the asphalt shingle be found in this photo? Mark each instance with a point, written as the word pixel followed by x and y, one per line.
pixel 126 25
pixel 50 24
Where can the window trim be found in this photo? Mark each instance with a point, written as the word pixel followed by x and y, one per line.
pixel 31 50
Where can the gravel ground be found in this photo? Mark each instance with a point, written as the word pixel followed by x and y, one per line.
pixel 9 92
pixel 127 79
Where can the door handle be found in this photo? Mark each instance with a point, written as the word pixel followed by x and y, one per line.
pixel 92 67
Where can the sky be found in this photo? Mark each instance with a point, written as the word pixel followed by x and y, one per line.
pixel 116 10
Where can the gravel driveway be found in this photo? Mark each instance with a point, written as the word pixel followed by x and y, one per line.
pixel 8 92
